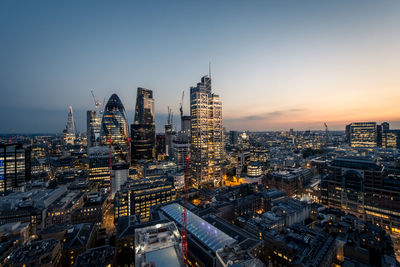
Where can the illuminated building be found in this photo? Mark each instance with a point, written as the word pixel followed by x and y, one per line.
pixel 207 234
pixel 361 187
pixel 389 140
pixel 99 165
pixel 143 127
pixel 70 131
pixel 15 166
pixel 206 134
pixel 254 170
pixel 363 134
pixel 157 243
pixel 136 197
pixel 93 124
pixel 114 128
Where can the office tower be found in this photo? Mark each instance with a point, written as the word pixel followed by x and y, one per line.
pixel 347 133
pixel 379 135
pixel 70 131
pixel 361 186
pixel 181 149
pixel 363 134
pixel 143 127
pixel 233 137
pixel 160 146
pixel 385 127
pixel 114 129
pixel 15 166
pixel 185 123
pixel 169 139
pixel 389 140
pixel 93 124
pixel 120 174
pixel 206 134
pixel 99 165
pixel 137 197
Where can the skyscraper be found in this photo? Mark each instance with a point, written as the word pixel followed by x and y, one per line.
pixel 143 127
pixel 93 124
pixel 114 128
pixel 70 131
pixel 206 134
pixel 363 134
pixel 15 166
pixel 99 165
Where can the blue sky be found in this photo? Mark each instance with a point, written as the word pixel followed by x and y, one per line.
pixel 276 64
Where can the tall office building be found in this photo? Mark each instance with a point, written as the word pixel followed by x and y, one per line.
pixel 362 187
pixel 181 149
pixel 363 134
pixel 70 131
pixel 93 125
pixel 99 165
pixel 206 134
pixel 143 127
pixel 15 166
pixel 114 129
pixel 185 124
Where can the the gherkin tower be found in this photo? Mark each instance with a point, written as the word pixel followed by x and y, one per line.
pixel 114 128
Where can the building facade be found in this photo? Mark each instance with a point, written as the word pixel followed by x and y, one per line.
pixel 361 187
pixel 93 125
pixel 143 127
pixel 363 134
pixel 114 129
pixel 206 134
pixel 99 165
pixel 69 133
pixel 136 197
pixel 15 166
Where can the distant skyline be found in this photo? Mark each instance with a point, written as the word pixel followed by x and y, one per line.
pixel 275 64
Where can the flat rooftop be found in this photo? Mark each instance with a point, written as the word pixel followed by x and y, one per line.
pixel 158 245
pixel 209 235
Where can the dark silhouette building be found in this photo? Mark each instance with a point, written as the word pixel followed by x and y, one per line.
pixel 143 127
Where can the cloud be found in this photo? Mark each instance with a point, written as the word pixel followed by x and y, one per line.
pixel 269 115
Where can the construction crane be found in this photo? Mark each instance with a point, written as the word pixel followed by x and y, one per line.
pixel 185 213
pixel 97 103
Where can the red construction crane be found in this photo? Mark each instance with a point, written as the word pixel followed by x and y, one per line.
pixel 185 211
pixel 110 164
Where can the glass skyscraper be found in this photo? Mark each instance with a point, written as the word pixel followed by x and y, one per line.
pixel 15 166
pixel 93 124
pixel 114 128
pixel 363 134
pixel 70 131
pixel 206 134
pixel 143 127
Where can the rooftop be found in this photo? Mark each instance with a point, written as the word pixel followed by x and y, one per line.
pixel 33 251
pixel 160 245
pixel 206 233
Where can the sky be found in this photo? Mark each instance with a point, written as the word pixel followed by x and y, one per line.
pixel 275 64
